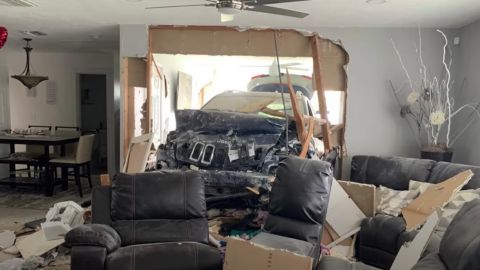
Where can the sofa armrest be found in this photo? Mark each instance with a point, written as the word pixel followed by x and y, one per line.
pixel 94 235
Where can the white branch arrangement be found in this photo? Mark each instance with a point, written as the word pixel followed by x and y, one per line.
pixel 427 103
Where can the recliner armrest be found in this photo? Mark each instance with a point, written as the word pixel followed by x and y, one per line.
pixel 94 235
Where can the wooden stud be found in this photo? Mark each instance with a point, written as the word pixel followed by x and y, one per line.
pixel 327 139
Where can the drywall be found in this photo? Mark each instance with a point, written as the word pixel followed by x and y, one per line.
pixel 467 149
pixel 374 126
pixel 4 106
pixel 62 68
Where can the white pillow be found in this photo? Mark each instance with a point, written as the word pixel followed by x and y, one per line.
pixel 393 201
pixel 417 185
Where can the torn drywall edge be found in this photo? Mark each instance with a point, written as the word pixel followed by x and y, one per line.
pixel 436 196
pixel 243 254
pixel 215 29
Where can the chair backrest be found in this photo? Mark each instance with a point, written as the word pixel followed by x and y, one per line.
pixel 49 128
pixel 67 128
pixel 163 206
pixel 137 154
pixel 84 148
pixel 299 199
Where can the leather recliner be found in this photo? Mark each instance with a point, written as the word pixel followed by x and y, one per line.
pixel 298 207
pixel 146 221
pixel 459 248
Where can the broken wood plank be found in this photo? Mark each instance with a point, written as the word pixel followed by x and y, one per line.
pixel 327 140
pixel 296 112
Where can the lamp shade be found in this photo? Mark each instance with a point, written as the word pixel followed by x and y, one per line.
pixel 30 81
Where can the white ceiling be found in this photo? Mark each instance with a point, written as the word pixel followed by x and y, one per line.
pixel 93 24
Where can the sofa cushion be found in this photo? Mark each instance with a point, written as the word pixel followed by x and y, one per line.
pixel 135 232
pixel 165 256
pixel 158 195
pixel 445 170
pixel 460 246
pixel 299 199
pixel 430 262
pixel 391 172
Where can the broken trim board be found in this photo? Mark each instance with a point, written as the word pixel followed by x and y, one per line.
pixel 36 245
pixel 343 214
pixel 411 252
pixel 242 255
pixel 364 196
pixel 435 197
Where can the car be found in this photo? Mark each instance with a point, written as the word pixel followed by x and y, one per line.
pixel 271 83
pixel 235 131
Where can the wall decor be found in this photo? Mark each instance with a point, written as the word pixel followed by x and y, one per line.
pixel 3 36
pixel 51 92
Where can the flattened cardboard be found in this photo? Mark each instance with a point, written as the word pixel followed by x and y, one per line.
pixel 410 252
pixel 364 195
pixel 36 245
pixel 343 214
pixel 243 255
pixel 435 197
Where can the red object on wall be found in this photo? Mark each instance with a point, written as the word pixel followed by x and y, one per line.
pixel 3 36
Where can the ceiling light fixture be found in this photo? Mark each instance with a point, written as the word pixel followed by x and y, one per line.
pixel 25 77
pixel 376 2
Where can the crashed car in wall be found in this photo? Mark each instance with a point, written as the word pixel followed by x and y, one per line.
pixel 238 135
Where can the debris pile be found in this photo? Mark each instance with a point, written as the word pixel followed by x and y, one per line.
pixel 39 244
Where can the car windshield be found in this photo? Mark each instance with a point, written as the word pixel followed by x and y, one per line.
pixel 267 105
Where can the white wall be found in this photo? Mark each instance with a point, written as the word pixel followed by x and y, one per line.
pixel 467 149
pixel 63 68
pixel 4 106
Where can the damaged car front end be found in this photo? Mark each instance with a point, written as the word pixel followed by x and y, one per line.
pixel 236 141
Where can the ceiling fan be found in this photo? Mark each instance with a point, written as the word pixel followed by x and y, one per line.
pixel 229 8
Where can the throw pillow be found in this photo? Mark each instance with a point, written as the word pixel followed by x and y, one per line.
pixel 392 201
pixel 418 185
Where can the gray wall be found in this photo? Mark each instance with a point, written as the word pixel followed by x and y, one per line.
pixel 373 122
pixel 374 126
pixel 467 150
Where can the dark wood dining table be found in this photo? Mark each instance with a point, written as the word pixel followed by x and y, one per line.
pixel 40 140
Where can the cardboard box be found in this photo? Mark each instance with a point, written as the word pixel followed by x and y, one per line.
pixel 244 255
pixel 435 197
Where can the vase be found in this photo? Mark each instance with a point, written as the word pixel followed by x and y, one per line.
pixel 445 156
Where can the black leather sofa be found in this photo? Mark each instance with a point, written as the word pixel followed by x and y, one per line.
pixel 146 221
pixel 298 207
pixel 381 237
pixel 459 248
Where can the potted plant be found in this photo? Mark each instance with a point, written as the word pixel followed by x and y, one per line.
pixel 427 104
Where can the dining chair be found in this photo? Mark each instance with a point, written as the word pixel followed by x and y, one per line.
pixel 33 153
pixel 66 131
pixel 81 160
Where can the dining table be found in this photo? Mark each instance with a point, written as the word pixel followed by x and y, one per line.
pixel 43 140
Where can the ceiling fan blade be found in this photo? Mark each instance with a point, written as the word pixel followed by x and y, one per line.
pixel 278 11
pixel 202 5
pixel 271 2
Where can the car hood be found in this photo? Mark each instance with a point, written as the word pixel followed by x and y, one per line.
pixel 219 122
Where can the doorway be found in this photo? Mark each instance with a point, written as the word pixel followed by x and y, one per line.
pixel 93 116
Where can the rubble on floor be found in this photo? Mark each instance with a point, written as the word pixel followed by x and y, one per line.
pixel 39 243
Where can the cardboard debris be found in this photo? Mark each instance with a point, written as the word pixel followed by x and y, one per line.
pixel 61 218
pixel 435 197
pixel 36 245
pixel 12 264
pixel 7 239
pixel 411 252
pixel 242 255
pixel 364 196
pixel 340 204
